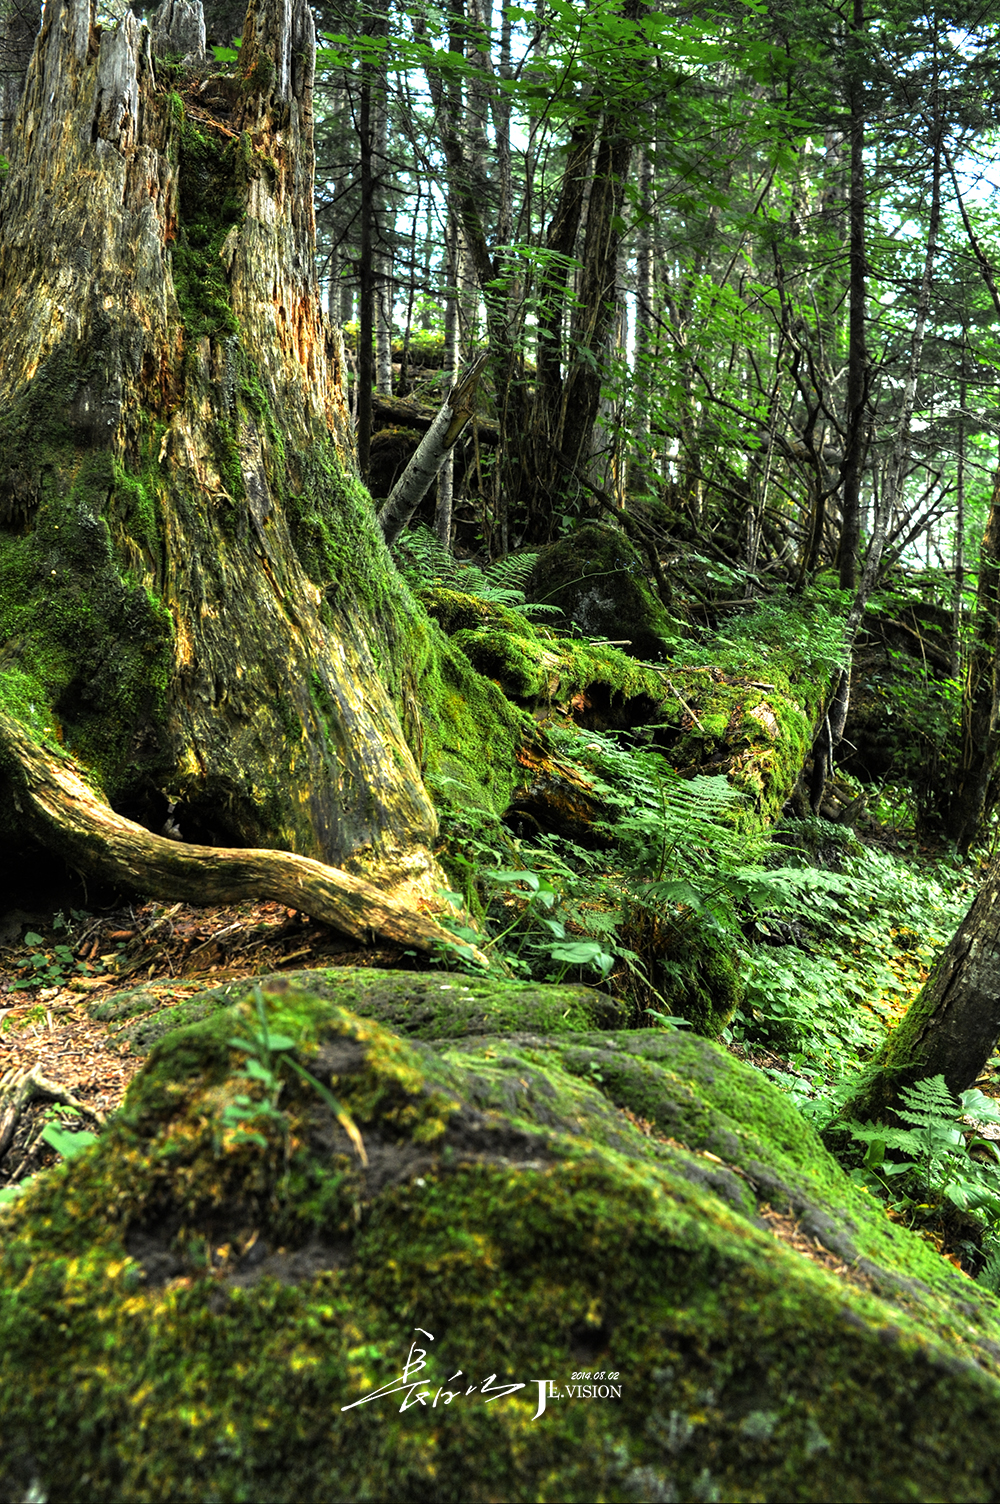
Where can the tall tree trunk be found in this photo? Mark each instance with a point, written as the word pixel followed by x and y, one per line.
pixel 383 252
pixel 645 328
pixel 192 586
pixel 831 734
pixel 857 352
pixel 366 266
pixel 451 364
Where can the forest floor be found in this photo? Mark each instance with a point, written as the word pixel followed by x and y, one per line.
pixel 54 966
pixel 51 975
pixel 173 952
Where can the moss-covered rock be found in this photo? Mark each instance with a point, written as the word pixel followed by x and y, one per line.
pixel 424 1005
pixel 207 1304
pixel 597 578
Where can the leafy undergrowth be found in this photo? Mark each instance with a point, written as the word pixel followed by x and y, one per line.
pixel 798 952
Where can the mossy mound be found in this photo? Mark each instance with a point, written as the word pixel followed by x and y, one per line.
pixel 537 669
pixel 424 1005
pixel 694 971
pixel 194 1307
pixel 597 578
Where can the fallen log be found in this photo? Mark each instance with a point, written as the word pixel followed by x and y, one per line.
pixel 401 412
pixel 69 818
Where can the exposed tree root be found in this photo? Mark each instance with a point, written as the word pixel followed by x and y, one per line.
pixel 69 818
pixel 18 1088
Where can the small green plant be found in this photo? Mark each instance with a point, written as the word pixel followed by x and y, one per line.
pixel 14 1024
pixel 266 1052
pixel 51 965
pixel 68 1143
pixel 669 1020
pixel 426 563
pixel 932 1155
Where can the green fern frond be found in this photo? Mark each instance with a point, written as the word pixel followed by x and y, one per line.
pixel 511 573
pixel 989 1275
pixel 424 562
pixel 929 1104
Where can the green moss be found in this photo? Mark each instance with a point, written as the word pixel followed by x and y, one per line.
pixel 211 204
pixel 513 1212
pixel 260 76
pixel 437 1005
pixel 598 579
pixel 137 497
pixel 88 648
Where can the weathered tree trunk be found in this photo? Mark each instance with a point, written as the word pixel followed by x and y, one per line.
pixel 194 597
pixel 62 809
pixel 952 1027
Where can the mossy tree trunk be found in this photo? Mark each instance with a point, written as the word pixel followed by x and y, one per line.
pixel 952 1027
pixel 195 600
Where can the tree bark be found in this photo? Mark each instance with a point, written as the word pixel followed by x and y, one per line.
pixel 194 596
pixel 435 446
pixel 952 1027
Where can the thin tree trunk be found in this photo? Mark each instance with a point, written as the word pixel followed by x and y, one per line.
pixel 452 364
pixel 857 352
pixel 366 268
pixel 418 477
pixel 644 309
pixel 383 254
pixel 959 550
pixel 832 732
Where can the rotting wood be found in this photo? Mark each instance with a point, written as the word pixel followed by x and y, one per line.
pixel 69 818
pixel 19 1088
pixel 400 412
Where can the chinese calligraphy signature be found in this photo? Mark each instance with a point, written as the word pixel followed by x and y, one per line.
pixel 414 1391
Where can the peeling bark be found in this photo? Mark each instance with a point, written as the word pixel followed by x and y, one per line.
pixel 194 597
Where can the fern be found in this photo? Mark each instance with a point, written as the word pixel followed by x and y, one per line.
pixel 989 1275
pixel 425 563
pixel 934 1150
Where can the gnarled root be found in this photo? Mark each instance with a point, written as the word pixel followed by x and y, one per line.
pixel 69 818
pixel 19 1088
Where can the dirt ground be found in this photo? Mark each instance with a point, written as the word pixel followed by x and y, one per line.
pixel 54 966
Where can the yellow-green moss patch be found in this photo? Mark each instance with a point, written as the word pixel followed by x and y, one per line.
pixel 185 1314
